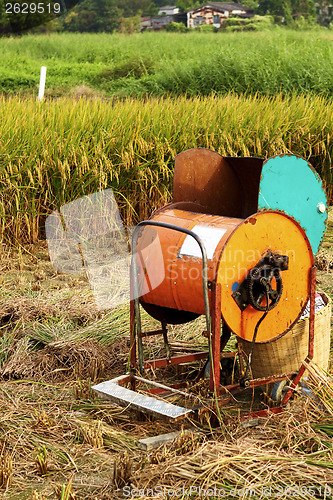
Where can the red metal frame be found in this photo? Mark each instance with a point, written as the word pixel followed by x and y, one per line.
pixel 214 339
pixel 311 336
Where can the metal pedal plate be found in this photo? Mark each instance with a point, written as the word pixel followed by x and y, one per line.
pixel 146 404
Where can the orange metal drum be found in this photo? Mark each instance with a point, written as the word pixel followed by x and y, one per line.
pixel 177 274
pixel 171 266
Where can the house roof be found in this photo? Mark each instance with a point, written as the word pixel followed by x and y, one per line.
pixel 223 6
pixel 228 6
pixel 168 7
pixel 161 19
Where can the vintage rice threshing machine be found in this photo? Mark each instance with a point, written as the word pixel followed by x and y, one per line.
pixel 236 244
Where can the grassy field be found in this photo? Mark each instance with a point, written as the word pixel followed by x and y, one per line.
pixel 54 152
pixel 193 63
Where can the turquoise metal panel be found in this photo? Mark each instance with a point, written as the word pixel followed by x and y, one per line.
pixel 290 184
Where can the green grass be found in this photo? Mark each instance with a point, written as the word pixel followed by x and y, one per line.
pixel 56 151
pixel 194 63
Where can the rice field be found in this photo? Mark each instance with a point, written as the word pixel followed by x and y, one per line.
pixel 58 150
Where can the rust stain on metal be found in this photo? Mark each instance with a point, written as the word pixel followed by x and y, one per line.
pixel 204 177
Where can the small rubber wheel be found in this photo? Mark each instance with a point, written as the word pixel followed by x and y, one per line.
pixel 206 371
pixel 279 390
pixel 229 370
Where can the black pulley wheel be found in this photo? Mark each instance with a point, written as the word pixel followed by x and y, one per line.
pixel 264 281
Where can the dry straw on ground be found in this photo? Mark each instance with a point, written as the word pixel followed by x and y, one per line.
pixel 324 260
pixel 60 360
pixel 246 463
pixel 320 384
pixel 84 436
pixel 284 454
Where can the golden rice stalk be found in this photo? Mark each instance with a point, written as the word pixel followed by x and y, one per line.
pixel 82 390
pixel 93 434
pixel 64 491
pixel 37 495
pixel 122 470
pixel 43 419
pixel 42 459
pixel 6 471
pixel 237 467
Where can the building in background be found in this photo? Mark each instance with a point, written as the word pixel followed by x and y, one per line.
pixel 160 22
pixel 212 13
pixel 215 12
pixel 145 23
pixel 168 10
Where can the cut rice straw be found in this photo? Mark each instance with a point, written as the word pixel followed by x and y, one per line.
pixel 238 468
pixel 321 385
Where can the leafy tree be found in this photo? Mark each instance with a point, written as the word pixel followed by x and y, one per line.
pixel 185 5
pixel 274 7
pixel 4 21
pixel 93 15
pixel 305 8
pixel 131 8
pixel 250 4
pixel 159 3
pixel 288 10
pixel 23 15
pixel 130 24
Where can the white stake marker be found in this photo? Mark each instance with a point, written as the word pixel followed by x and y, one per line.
pixel 42 83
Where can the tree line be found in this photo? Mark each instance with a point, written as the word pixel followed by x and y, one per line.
pixel 110 15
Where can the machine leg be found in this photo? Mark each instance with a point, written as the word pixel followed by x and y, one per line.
pixel 166 342
pixel 311 335
pixel 215 342
pixel 132 342
pixel 312 311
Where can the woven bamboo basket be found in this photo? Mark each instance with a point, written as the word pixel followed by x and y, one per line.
pixel 286 354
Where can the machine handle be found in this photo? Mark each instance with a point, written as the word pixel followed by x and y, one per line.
pixel 135 276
